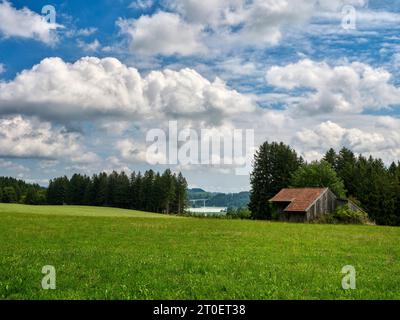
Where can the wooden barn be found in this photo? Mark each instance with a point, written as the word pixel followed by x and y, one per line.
pixel 306 204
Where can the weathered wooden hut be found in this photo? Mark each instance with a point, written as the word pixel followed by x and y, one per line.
pixel 306 204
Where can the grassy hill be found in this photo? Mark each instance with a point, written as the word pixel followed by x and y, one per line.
pixel 103 253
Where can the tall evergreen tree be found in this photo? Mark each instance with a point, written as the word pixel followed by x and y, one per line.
pixel 100 185
pixel 274 164
pixel 137 187
pixel 181 196
pixel 121 194
pixel 147 187
pixel 57 191
pixel 168 184
pixel 331 157
pixel 75 194
pixel 345 167
pixel 157 193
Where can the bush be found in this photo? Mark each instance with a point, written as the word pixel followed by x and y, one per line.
pixel 346 215
pixel 240 213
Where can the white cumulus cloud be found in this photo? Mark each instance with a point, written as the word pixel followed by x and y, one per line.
pixel 25 23
pixel 93 88
pixel 89 46
pixel 30 138
pixel 381 143
pixel 162 33
pixel 346 88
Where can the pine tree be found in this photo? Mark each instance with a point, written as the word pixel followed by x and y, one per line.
pixel 345 167
pixel 90 193
pixel 331 158
pixel 121 195
pixel 273 167
pixel 132 191
pixel 181 196
pixel 137 192
pixel 157 193
pixel 100 185
pixel 75 194
pixel 111 187
pixel 57 191
pixel 168 185
pixel 147 187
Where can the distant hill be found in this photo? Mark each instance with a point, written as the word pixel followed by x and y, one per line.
pixel 217 199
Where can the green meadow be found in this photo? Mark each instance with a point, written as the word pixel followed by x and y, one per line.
pixel 104 253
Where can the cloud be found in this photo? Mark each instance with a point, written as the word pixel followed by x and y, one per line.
pixel 131 151
pixel 162 33
pixel 141 4
pixel 25 23
pixel 238 23
pixel 86 31
pixel 29 138
pixel 346 88
pixel 93 88
pixel 229 24
pixel 89 47
pixel 207 12
pixel 381 143
pixel 192 27
pixel 12 166
pixel 2 68
pixel 365 18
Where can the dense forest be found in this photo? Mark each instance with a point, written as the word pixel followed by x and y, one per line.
pixel 155 192
pixel 18 191
pixel 150 191
pixel 367 181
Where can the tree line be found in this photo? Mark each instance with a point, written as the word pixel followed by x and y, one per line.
pixel 365 180
pixel 18 191
pixel 150 191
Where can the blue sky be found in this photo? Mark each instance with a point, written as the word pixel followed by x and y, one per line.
pixel 80 94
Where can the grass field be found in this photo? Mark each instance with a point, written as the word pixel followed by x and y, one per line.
pixel 103 253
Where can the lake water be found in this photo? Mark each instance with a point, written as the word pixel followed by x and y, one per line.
pixel 208 210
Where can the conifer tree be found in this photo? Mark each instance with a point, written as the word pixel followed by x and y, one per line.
pixel 274 164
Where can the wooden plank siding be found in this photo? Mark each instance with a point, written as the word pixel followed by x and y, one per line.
pixel 325 204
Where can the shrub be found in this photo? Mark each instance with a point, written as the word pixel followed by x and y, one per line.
pixel 240 213
pixel 346 215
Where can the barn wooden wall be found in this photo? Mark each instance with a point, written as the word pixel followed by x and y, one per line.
pixel 325 204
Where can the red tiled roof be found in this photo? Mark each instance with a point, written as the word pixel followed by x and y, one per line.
pixel 299 199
